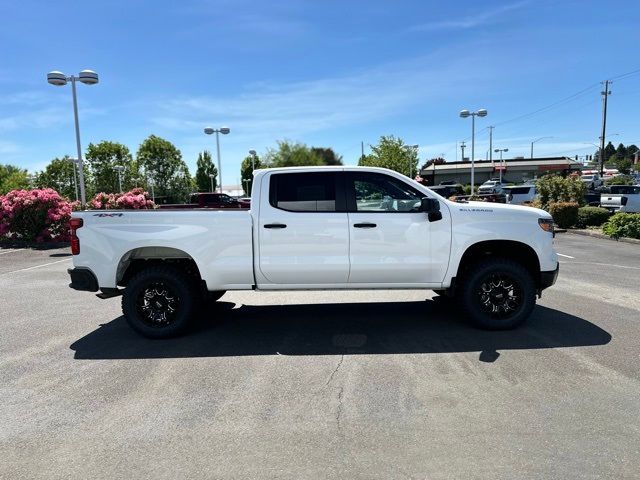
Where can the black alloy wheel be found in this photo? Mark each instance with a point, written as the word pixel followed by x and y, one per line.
pixel 497 294
pixel 159 301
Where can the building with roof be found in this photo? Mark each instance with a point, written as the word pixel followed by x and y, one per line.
pixel 515 170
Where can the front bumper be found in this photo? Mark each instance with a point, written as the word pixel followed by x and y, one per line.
pixel 548 278
pixel 83 279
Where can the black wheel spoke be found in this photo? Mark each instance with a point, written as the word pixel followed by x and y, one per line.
pixel 499 295
pixel 158 305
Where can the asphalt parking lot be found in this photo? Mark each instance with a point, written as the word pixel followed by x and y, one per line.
pixel 367 384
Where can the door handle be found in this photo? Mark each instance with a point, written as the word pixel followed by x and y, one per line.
pixel 275 225
pixel 365 225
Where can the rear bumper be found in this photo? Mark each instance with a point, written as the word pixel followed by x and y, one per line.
pixel 83 279
pixel 548 278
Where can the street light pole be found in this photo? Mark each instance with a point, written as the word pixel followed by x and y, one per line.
pixel 464 114
pixel 211 178
pixel 119 169
pixel 501 163
pixel 75 176
pixel 218 131
pixel 88 77
pixel 535 141
pixel 462 145
pixel 415 147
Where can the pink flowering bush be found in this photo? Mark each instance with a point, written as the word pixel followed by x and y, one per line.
pixel 41 215
pixel 135 199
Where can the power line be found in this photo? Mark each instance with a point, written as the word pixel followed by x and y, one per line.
pixel 625 75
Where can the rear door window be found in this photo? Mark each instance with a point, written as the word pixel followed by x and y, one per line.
pixel 305 192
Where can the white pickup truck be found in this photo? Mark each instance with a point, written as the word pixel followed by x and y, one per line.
pixel 317 228
pixel 622 198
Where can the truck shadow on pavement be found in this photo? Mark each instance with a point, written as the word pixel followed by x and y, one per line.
pixel 339 329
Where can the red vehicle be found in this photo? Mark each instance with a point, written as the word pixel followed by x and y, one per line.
pixel 210 200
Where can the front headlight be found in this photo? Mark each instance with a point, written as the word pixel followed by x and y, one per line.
pixel 546 224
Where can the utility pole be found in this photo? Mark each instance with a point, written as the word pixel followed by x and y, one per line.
pixel 605 94
pixel 491 143
pixel 462 145
pixel 361 149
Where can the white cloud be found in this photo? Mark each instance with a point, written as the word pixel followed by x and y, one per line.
pixel 293 110
pixel 469 21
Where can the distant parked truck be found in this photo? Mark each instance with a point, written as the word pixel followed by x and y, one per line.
pixel 520 194
pixel 210 200
pixel 623 198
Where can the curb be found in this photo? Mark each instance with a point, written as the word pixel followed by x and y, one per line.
pixel 589 233
pixel 4 244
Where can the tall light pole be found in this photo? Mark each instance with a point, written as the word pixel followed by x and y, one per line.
pixel 501 150
pixel 464 114
pixel 59 79
pixel 119 169
pixel 415 149
pixel 246 182
pixel 535 141
pixel 211 175
pixel 462 146
pixel 74 162
pixel 151 184
pixel 253 159
pixel 218 131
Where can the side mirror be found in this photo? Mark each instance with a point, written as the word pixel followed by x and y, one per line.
pixel 431 207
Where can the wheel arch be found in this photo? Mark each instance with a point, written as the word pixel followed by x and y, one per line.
pixel 513 250
pixel 140 258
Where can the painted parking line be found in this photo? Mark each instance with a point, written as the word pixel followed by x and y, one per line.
pixel 566 256
pixel 36 266
pixel 11 251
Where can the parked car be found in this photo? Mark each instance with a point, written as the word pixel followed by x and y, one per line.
pixel 448 190
pixel 491 186
pixel 313 228
pixel 622 198
pixel 519 194
pixel 592 180
pixel 210 200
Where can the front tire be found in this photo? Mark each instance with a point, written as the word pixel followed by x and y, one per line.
pixel 159 302
pixel 497 294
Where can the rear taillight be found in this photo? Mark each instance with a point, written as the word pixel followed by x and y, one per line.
pixel 74 225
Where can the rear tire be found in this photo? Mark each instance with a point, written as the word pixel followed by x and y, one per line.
pixel 159 302
pixel 497 294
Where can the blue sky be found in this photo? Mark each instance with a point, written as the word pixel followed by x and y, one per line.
pixel 330 73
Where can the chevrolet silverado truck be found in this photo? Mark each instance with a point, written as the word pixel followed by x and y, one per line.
pixel 317 228
pixel 621 198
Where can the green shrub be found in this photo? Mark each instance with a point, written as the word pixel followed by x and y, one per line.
pixel 565 214
pixel 592 217
pixel 623 225
pixel 554 188
pixel 620 180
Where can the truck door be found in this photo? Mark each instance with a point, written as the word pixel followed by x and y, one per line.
pixel 391 241
pixel 303 236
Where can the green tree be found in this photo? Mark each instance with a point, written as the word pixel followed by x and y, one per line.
pixel 555 188
pixel 328 156
pixel 12 178
pixel 392 153
pixel 162 162
pixel 246 172
pixel 621 151
pixel 205 167
pixel 102 158
pixel 58 174
pixel 620 163
pixel 609 151
pixel 291 155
